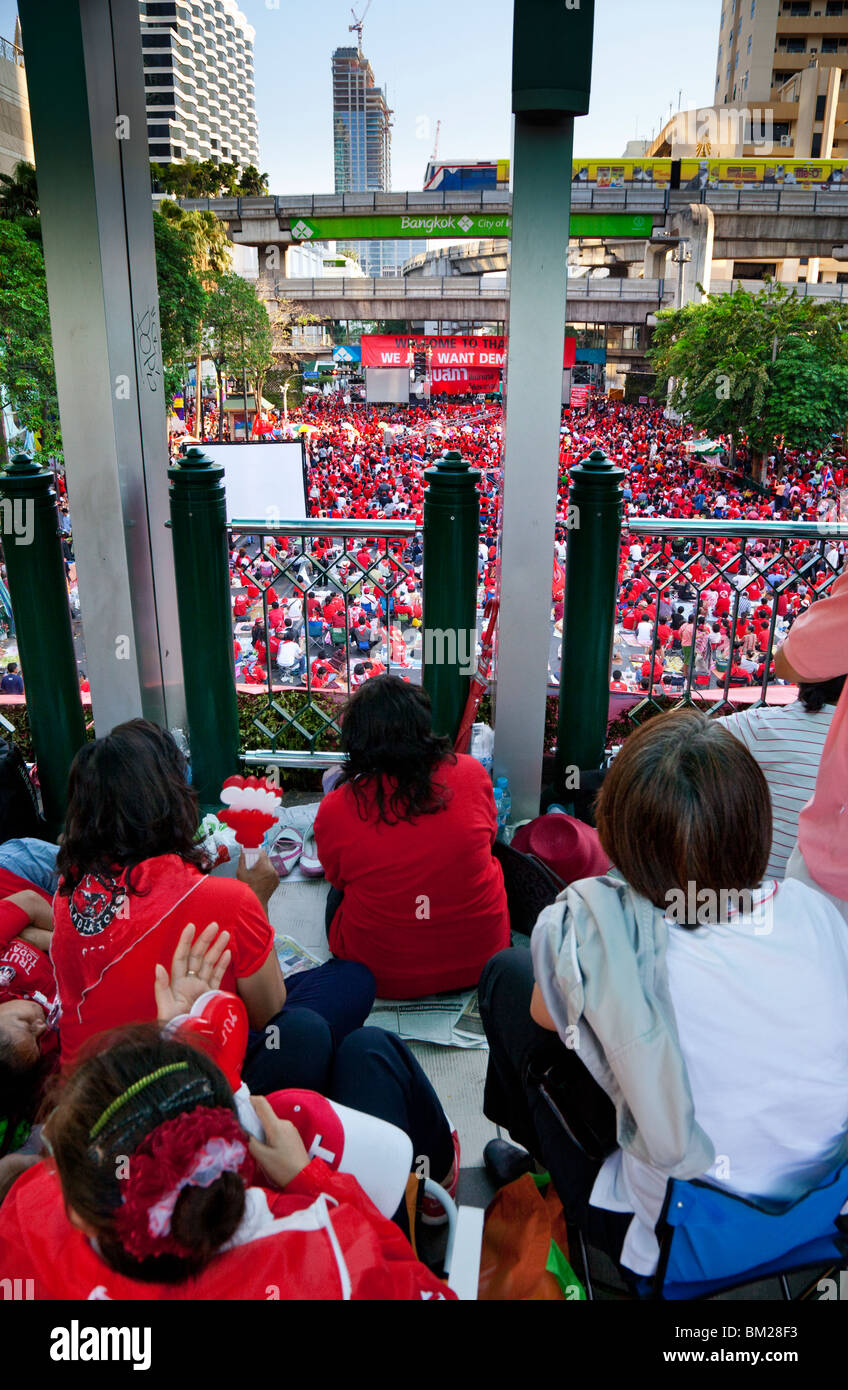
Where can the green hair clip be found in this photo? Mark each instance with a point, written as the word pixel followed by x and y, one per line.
pixel 131 1091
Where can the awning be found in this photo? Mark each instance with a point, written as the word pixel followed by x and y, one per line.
pixel 235 404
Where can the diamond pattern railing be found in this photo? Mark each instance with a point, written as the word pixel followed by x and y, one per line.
pixel 290 560
pixel 788 557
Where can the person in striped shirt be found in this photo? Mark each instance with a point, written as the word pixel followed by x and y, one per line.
pixel 787 742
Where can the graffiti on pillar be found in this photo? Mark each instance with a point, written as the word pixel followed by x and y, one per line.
pixel 147 337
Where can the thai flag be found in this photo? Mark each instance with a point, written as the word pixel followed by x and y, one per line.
pixel 827 477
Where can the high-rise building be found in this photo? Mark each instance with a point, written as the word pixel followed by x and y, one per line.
pixel 781 86
pixel 198 76
pixel 15 129
pixel 362 150
pixel 789 57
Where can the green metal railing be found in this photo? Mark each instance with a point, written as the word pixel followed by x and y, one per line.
pixel 309 716
pixel 798 556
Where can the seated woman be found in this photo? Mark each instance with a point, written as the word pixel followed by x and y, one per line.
pixel 654 1009
pixel 133 876
pixel 201 1210
pixel 28 1036
pixel 406 841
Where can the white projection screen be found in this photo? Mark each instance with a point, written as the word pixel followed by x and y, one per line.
pixel 387 385
pixel 263 480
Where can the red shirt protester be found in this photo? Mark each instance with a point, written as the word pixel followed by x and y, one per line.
pixel 107 942
pixel 424 903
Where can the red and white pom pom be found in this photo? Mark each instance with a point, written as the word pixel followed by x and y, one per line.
pixel 250 809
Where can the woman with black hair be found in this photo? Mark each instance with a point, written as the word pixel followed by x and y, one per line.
pixel 406 841
pixel 155 1190
pixel 132 878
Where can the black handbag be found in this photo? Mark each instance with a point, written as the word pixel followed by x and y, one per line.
pixel 19 812
pixel 530 886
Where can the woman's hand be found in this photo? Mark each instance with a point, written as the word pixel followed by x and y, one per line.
pixel 282 1156
pixel 197 966
pixel 262 878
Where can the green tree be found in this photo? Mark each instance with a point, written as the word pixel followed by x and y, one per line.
pixel 182 300
pixel 239 338
pixel 27 375
pixel 19 192
pixel 252 183
pixel 768 365
pixel 206 237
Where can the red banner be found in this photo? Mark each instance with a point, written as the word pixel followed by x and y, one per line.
pixel 455 381
pixel 580 397
pixel 450 350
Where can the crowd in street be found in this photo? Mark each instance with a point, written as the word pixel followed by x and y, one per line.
pixel 369 463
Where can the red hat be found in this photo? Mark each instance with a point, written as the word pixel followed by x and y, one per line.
pixel 568 846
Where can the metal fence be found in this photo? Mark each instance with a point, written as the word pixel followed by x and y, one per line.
pixel 11 53
pixel 391 287
pixel 633 198
pixel 766 567
pixel 300 561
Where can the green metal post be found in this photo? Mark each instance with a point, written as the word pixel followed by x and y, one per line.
pixel 451 532
pixel 39 594
pixel 201 562
pixel 591 582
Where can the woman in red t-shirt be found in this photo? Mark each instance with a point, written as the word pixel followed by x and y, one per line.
pixel 406 841
pixel 133 877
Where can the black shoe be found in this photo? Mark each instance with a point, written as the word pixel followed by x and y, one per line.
pixel 505 1162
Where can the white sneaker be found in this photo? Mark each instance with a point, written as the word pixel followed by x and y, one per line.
pixel 310 864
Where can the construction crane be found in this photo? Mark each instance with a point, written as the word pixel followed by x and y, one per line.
pixel 434 156
pixel 356 26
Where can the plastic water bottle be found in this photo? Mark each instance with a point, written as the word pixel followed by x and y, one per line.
pixel 499 810
pixel 506 799
pixel 181 741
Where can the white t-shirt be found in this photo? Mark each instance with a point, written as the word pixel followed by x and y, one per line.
pixel 787 743
pixel 636 553
pixel 644 631
pixel 762 1013
pixel 288 654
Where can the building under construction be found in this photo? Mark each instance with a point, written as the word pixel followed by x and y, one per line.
pixel 362 149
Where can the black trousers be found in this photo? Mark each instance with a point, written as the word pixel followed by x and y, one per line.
pixel 525 1062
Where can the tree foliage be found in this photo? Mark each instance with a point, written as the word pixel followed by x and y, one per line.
pixel 206 179
pixel 19 192
pixel 182 300
pixel 771 365
pixel 27 376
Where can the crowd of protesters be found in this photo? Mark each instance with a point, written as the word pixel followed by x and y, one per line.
pixel 118 927
pixel 368 463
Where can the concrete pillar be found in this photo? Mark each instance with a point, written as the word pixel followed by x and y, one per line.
pixel 697 222
pixel 86 93
pixel 542 157
pixel 808 90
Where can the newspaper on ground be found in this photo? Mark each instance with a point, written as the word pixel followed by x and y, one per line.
pixel 294 959
pixel 449 1020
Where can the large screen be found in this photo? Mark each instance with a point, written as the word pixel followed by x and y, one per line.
pixel 264 482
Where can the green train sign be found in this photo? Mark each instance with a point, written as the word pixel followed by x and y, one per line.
pixel 407 226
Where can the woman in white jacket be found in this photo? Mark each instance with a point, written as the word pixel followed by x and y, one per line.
pixel 688 1018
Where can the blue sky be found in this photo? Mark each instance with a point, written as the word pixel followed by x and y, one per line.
pixel 449 60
